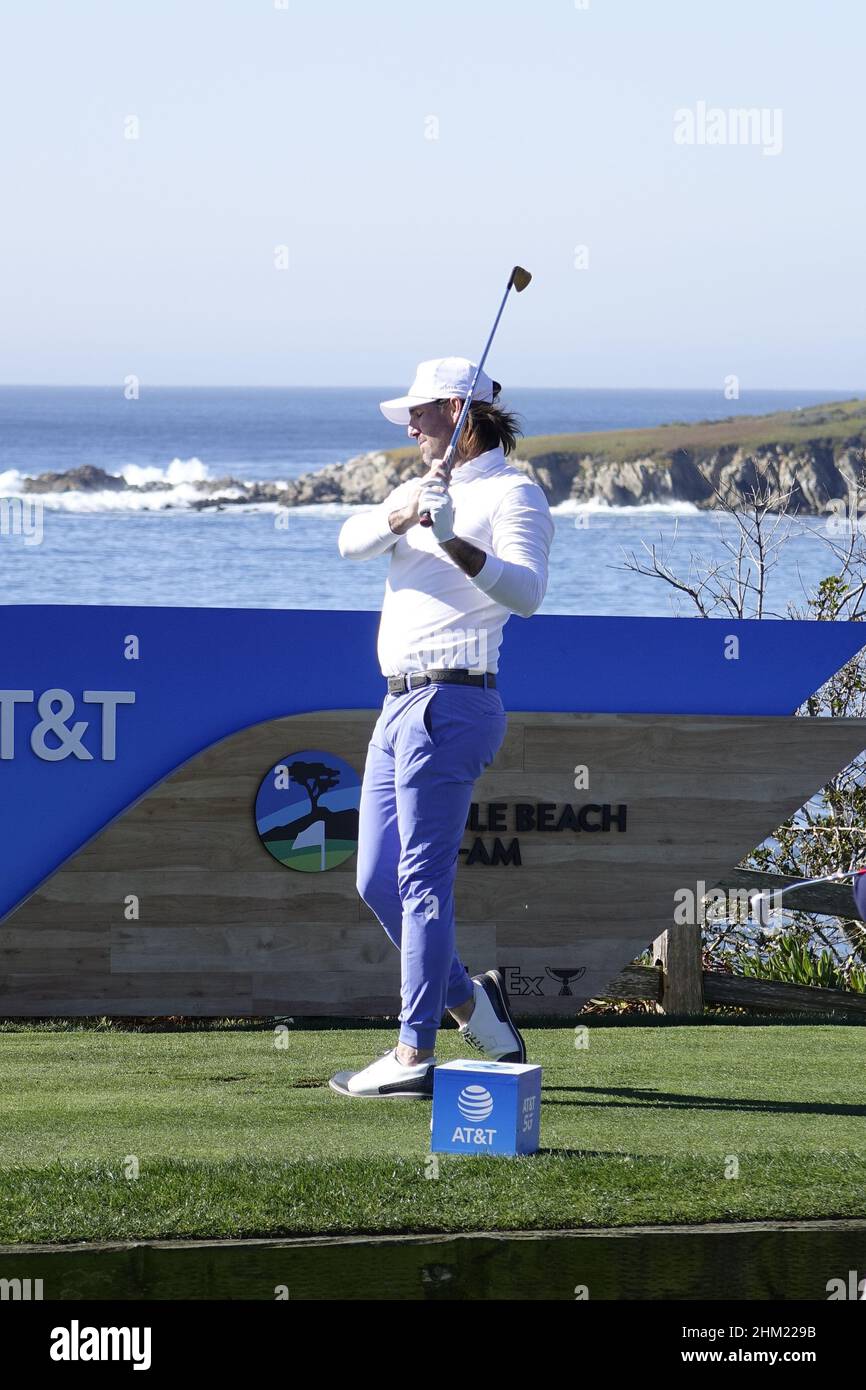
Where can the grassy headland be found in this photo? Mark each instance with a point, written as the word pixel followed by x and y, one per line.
pixel 808 457
pixel 838 424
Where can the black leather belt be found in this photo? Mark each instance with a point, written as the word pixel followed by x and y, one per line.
pixel 398 685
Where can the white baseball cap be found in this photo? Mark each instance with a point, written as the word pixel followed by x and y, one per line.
pixel 439 380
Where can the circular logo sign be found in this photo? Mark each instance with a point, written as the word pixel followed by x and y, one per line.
pixel 307 810
pixel 475 1103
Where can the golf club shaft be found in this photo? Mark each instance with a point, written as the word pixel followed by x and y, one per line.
pixel 808 882
pixel 425 518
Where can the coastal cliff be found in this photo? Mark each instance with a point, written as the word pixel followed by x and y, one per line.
pixel 814 474
pixel 816 454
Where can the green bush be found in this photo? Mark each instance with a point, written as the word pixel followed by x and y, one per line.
pixel 791 960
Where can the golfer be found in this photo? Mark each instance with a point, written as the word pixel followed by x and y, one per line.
pixel 449 592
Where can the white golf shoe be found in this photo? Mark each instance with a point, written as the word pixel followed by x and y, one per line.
pixel 491 1029
pixel 387 1079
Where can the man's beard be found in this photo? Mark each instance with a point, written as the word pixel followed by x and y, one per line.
pixel 433 449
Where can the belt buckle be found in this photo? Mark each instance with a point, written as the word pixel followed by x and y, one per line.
pixel 406 686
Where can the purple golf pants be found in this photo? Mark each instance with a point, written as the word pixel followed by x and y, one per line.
pixel 426 752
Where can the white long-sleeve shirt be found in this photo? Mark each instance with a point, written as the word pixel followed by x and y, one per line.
pixel 434 615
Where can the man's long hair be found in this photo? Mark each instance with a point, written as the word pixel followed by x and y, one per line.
pixel 487 427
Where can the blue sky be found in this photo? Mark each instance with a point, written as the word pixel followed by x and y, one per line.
pixel 308 127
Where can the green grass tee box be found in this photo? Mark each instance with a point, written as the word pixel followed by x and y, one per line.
pixel 121 1135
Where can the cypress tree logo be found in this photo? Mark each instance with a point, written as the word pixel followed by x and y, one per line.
pixel 307 811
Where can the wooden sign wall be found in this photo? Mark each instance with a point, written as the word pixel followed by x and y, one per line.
pixel 223 928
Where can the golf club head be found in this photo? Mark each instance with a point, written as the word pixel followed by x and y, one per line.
pixel 518 280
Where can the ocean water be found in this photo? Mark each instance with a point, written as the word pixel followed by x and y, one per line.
pixel 153 548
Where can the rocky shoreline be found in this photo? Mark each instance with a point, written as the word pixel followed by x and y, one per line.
pixel 815 473
pixel 815 476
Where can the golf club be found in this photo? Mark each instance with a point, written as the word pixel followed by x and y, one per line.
pixel 763 901
pixel 518 280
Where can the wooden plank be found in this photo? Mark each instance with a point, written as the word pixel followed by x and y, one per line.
pixel 288 951
pixel 195 910
pixel 665 743
pixel 191 895
pixel 677 952
pixel 239 948
pixel 826 899
pixel 52 937
pixel 327 992
pixel 622 934
pixel 208 834
pixel 637 982
pixel 51 995
pixel 268 882
pixel 330 991
pixel 644 896
pixel 770 996
pixel 79 961
pixel 638 784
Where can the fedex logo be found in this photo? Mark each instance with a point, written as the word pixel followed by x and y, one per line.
pixel 52 737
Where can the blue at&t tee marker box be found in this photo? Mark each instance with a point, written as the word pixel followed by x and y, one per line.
pixel 486 1108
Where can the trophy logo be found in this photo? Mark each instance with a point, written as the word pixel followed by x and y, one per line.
pixel 565 978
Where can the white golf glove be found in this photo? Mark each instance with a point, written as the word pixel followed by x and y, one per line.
pixel 435 498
